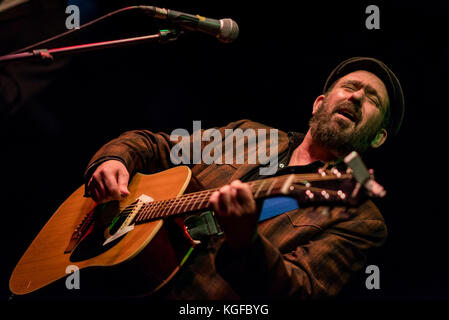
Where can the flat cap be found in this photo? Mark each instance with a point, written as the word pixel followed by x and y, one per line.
pixel 377 67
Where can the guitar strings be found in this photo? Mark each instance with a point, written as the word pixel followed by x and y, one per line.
pixel 163 207
pixel 189 200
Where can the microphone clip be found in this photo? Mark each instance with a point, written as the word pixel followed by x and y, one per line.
pixel 169 35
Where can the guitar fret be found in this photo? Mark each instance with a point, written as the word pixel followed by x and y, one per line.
pixel 172 206
pixel 271 186
pixel 165 209
pixel 156 208
pixel 191 203
pixel 142 215
pixel 152 210
pixel 207 196
pixel 183 203
pixel 178 205
pixel 258 189
pixel 196 201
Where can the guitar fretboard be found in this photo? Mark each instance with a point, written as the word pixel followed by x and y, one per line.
pixel 200 200
pixel 264 188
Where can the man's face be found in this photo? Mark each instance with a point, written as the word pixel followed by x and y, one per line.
pixel 350 115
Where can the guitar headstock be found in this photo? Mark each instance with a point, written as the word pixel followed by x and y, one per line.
pixel 364 176
pixel 333 186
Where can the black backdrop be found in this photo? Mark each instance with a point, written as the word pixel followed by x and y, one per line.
pixel 59 115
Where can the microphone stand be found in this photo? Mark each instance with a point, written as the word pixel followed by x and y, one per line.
pixel 46 56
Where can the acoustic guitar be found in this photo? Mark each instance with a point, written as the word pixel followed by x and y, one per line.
pixel 137 245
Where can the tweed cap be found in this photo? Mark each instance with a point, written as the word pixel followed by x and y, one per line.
pixel 384 73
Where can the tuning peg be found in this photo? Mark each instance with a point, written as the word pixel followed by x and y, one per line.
pixel 341 194
pixel 336 172
pixel 375 189
pixel 325 194
pixel 310 194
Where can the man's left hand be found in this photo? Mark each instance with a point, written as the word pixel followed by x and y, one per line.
pixel 236 212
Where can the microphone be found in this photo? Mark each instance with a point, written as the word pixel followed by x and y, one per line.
pixel 225 30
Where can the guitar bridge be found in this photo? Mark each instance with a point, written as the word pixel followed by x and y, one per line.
pixel 82 229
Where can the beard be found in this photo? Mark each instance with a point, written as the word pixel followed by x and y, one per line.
pixel 339 135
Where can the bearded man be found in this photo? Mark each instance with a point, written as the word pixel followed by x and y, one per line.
pixel 299 252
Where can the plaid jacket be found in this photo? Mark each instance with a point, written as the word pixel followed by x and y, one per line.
pixel 299 254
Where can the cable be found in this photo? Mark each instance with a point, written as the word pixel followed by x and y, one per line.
pixel 73 30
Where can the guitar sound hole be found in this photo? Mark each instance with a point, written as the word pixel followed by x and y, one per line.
pixel 91 246
pixel 92 243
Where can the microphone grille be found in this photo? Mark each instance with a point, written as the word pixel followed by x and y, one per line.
pixel 229 30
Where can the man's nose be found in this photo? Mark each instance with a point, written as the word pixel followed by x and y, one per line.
pixel 356 97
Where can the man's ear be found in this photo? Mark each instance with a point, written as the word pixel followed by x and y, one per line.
pixel 318 102
pixel 379 139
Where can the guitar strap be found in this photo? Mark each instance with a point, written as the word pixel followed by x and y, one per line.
pixel 202 225
pixel 205 224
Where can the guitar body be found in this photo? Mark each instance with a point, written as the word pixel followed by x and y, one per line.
pixel 141 261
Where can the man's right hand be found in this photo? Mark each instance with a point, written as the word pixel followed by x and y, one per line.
pixel 109 182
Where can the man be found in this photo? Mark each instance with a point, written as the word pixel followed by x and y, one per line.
pixel 300 253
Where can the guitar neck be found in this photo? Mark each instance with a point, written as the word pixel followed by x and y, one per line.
pixel 200 200
pixel 298 185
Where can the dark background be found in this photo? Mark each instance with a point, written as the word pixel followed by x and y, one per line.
pixel 53 118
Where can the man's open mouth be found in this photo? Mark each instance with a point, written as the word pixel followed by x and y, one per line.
pixel 349 114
